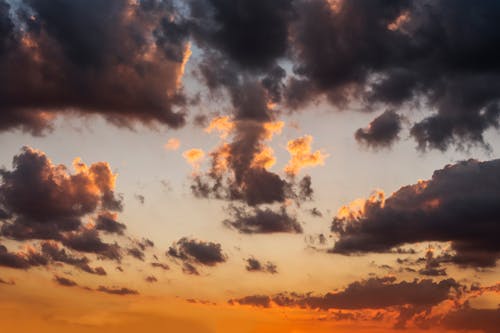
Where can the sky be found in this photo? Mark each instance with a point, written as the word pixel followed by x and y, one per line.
pixel 251 166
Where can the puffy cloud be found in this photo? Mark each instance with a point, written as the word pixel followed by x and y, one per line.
pixel 402 52
pixel 251 33
pixel 44 201
pixel 302 156
pixel 106 221
pixel 458 205
pixel 381 132
pixel 195 252
pixel 172 144
pixel 89 241
pixel 111 59
pixel 262 221
pixel 194 157
pixel 239 168
pixel 254 265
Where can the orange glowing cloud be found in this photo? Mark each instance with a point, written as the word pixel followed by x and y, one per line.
pixel 223 125
pixel 356 208
pixel 182 67
pixel 399 21
pixel 172 144
pixel 264 158
pixel 273 128
pixel 194 157
pixel 302 156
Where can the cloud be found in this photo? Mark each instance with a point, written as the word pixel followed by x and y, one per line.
pixel 252 34
pixel 381 132
pixel 254 265
pixel 172 144
pixel 398 54
pixel 89 241
pixel 91 57
pixel 117 291
pixel 151 279
pixel 44 200
pixel 302 156
pixel 62 281
pixel 106 221
pixel 458 205
pixel 195 252
pixel 254 300
pixel 373 293
pixel 136 253
pixel 262 221
pixel 55 253
pixel 194 157
pixel 485 320
pixel 165 267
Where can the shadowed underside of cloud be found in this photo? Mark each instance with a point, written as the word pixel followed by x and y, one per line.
pixel 110 58
pixel 459 204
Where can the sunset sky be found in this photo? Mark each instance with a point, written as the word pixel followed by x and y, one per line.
pixel 249 166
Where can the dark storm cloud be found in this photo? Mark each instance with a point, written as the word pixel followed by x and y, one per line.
pixel 397 52
pixel 381 132
pixel 458 204
pixel 374 293
pixel 64 281
pixel 43 200
pixel 254 265
pixel 194 251
pixel 117 291
pixel 262 221
pixel 252 33
pixel 93 57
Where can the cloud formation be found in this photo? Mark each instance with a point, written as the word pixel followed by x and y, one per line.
pixel 193 252
pixel 262 221
pixel 118 59
pixel 254 265
pixel 44 200
pixel 458 205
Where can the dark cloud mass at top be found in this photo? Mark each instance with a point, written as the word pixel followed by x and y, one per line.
pixel 124 60
pixel 93 57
